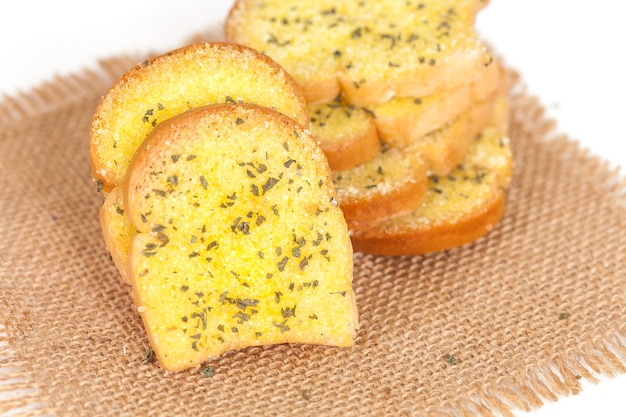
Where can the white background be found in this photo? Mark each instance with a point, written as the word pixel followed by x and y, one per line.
pixel 569 53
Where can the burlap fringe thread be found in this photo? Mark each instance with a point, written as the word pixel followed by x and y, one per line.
pixel 21 395
pixel 64 90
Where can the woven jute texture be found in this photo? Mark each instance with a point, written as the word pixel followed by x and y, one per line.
pixel 517 318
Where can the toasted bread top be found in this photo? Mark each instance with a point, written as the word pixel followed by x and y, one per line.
pixel 369 50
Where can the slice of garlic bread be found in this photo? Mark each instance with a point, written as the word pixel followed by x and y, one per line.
pixel 117 230
pixel 240 238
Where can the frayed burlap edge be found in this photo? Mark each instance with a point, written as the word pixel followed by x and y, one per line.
pixel 74 87
pixel 20 392
pixel 62 90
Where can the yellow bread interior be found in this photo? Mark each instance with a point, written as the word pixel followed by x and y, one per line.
pixel 117 230
pixel 371 51
pixel 189 77
pixel 240 239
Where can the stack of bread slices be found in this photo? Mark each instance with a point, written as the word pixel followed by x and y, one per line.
pixel 408 105
pixel 220 210
pixel 239 176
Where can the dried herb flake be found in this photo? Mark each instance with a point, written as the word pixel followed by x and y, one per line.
pixel 207 372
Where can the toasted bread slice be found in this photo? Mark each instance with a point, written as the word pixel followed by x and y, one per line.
pixel 392 183
pixel 117 230
pixel 189 77
pixel 369 51
pixel 403 120
pixel 459 207
pixel 346 134
pixel 240 239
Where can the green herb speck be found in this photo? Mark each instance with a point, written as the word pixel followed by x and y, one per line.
pixel 450 359
pixel 207 372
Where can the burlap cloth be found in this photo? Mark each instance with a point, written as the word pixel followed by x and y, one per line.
pixel 515 319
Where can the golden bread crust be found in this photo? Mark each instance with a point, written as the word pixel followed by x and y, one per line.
pixel 432 239
pixel 394 182
pixel 240 242
pixel 188 77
